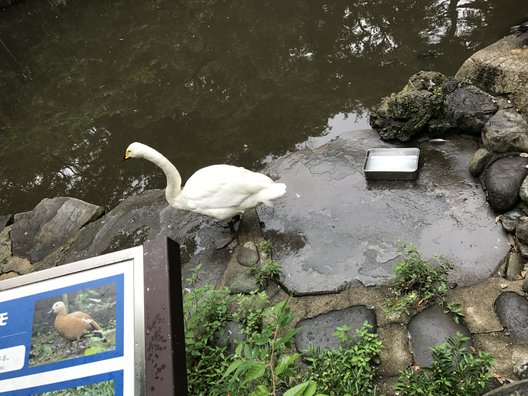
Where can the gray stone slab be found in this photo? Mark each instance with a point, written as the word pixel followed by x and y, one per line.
pixel 334 229
pixel 430 328
pixel 512 311
pixel 519 388
pixel 51 224
pixel 319 330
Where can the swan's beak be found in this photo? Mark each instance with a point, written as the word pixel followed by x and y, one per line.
pixel 127 155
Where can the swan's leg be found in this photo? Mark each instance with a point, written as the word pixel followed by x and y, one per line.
pixel 220 244
pixel 232 223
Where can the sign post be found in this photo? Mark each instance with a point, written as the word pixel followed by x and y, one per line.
pixel 166 372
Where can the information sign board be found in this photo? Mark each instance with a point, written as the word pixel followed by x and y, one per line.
pixel 82 326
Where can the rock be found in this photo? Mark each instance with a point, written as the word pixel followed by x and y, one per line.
pixel 468 108
pixel 505 131
pixel 521 231
pixel 433 103
pixel 8 275
pixel 523 249
pixel 503 179
pixel 230 335
pixel 479 161
pixel 5 220
pixel 242 282
pixel 406 114
pixel 144 217
pixel 248 254
pixel 515 266
pixel 525 285
pixel 319 330
pixel 5 244
pixel 523 190
pixel 521 370
pixel 512 311
pixel 426 81
pixel 250 229
pixel 509 220
pixel 237 275
pixel 500 69
pixel 52 223
pixel 16 264
pixel 519 388
pixel 429 328
pixel 395 353
pixel 478 305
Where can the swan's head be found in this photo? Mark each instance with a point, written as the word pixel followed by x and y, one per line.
pixel 137 150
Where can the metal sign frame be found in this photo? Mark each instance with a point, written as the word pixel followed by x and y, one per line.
pixel 148 357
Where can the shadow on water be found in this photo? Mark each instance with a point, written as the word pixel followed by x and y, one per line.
pixel 204 81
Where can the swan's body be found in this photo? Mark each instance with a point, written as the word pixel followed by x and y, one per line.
pixel 219 191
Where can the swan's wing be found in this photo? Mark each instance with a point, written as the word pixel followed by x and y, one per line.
pixel 223 186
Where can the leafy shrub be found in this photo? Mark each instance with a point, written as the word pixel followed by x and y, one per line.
pixel 350 369
pixel 205 314
pixel 418 282
pixel 263 364
pixel 248 309
pixel 455 372
pixel 206 311
pixel 268 270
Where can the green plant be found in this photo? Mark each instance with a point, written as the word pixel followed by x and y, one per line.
pixel 418 282
pixel 266 247
pixel 350 369
pixel 206 310
pixel 268 270
pixel 455 372
pixel 264 365
pixel 456 309
pixel 248 310
pixel 205 313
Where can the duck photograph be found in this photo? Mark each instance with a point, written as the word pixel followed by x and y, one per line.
pixel 75 324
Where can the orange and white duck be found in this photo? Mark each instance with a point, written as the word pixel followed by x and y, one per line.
pixel 73 326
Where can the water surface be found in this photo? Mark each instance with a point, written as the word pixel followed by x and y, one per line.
pixel 205 81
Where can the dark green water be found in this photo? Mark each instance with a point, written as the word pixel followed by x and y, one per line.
pixel 205 81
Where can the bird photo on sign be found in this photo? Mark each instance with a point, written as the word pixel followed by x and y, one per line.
pixel 76 324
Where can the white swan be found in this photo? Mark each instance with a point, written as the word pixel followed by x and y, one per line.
pixel 219 191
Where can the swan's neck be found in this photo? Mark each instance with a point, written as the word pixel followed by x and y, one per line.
pixel 173 188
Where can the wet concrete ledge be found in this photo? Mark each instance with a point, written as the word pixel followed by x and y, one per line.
pixel 335 229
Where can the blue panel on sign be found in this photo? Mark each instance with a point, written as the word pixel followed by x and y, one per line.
pixel 107 383
pixel 31 341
